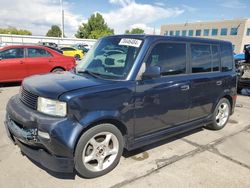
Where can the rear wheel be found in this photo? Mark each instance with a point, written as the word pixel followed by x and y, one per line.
pixel 220 115
pixel 98 151
pixel 57 70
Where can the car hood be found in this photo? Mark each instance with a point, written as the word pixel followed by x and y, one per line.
pixel 55 84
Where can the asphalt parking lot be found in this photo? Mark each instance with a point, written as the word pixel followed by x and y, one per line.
pixel 202 158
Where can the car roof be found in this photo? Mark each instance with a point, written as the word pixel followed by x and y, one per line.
pixel 24 46
pixel 69 47
pixel 173 38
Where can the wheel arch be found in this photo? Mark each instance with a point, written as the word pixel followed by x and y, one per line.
pixel 230 99
pixel 118 124
pixel 58 67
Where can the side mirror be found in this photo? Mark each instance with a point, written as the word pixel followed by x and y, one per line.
pixel 152 72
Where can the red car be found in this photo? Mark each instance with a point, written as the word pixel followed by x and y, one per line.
pixel 18 62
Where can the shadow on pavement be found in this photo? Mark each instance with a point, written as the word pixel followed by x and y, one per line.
pixel 12 84
pixel 126 154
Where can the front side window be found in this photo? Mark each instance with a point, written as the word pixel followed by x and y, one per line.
pixel 206 32
pixel 12 53
pixel 170 57
pixel 68 49
pixel 37 52
pixel 234 31
pixel 198 32
pixel 110 58
pixel 171 33
pixel 200 58
pixel 226 57
pixel 214 32
pixel 223 32
pixel 166 33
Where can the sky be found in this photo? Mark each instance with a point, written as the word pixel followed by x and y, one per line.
pixel 38 15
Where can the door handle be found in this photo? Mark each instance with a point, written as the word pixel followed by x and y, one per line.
pixel 218 83
pixel 185 87
pixel 21 62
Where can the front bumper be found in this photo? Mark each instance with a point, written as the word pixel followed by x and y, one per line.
pixel 55 152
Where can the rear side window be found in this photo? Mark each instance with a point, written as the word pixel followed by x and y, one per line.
pixel 215 58
pixel 37 52
pixel 67 49
pixel 200 58
pixel 12 53
pixel 171 57
pixel 226 57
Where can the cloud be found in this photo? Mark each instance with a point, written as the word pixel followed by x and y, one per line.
pixel 38 15
pixel 131 13
pixel 161 4
pixel 121 2
pixel 234 4
pixel 189 8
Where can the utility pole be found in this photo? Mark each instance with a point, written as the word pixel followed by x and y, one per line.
pixel 62 20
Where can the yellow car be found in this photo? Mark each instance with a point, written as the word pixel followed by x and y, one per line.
pixel 73 52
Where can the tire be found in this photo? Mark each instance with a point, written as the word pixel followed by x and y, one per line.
pixel 221 115
pixel 101 148
pixel 57 70
pixel 77 57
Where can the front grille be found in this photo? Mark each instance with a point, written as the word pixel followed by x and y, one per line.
pixel 29 98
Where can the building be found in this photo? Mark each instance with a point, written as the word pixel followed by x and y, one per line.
pixel 236 31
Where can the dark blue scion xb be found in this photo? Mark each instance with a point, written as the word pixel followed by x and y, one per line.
pixel 129 91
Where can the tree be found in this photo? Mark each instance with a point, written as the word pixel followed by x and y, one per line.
pixel 14 31
pixel 135 31
pixel 95 28
pixel 54 31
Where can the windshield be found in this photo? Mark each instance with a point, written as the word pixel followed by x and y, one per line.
pixel 110 58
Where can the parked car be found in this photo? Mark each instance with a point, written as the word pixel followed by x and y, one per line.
pixel 18 62
pixel 85 118
pixel 239 59
pixel 73 52
pixel 55 49
pixel 81 47
pixel 243 76
pixel 51 44
pixel 243 72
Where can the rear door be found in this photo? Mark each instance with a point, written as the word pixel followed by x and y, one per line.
pixel 163 102
pixel 207 81
pixel 12 66
pixel 38 61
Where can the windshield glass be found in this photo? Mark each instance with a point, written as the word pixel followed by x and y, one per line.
pixel 110 58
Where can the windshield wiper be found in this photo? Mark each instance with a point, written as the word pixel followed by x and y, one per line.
pixel 93 74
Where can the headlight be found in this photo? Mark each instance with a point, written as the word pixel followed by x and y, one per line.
pixel 51 107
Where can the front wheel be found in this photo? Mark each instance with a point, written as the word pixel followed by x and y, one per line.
pixel 98 151
pixel 220 115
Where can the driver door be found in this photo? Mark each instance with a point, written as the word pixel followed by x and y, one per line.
pixel 163 102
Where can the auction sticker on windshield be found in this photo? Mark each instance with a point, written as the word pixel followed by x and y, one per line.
pixel 130 42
